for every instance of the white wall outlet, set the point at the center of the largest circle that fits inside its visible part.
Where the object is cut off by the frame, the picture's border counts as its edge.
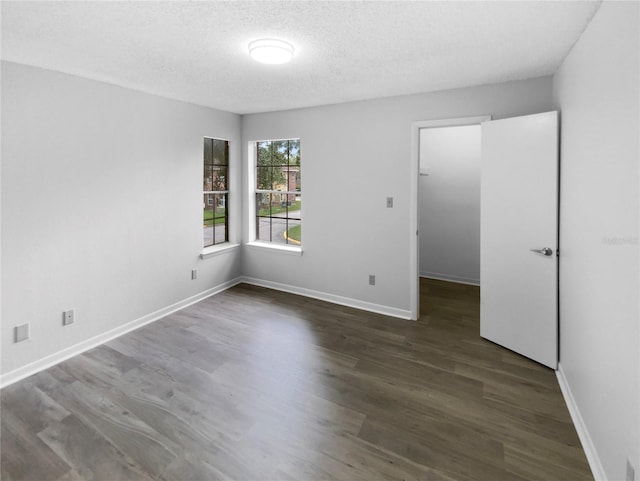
(194, 274)
(631, 473)
(21, 332)
(389, 202)
(372, 280)
(68, 317)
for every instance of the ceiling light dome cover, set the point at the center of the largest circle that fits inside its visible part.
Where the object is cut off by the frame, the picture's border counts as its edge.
(271, 51)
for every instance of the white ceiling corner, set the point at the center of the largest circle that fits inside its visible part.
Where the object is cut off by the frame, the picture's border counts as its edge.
(345, 50)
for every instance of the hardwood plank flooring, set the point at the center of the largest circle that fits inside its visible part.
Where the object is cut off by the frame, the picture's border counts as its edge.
(255, 384)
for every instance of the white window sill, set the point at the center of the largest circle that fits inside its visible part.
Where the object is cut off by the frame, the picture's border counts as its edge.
(282, 249)
(217, 250)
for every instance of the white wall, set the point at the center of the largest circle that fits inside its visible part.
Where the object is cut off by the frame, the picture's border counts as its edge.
(101, 201)
(450, 203)
(596, 90)
(101, 207)
(355, 155)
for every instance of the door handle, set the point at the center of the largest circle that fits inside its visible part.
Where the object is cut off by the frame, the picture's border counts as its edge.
(547, 251)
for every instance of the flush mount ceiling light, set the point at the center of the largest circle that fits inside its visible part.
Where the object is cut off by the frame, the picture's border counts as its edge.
(271, 51)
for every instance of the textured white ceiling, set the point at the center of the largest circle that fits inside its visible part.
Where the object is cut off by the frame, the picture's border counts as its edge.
(348, 50)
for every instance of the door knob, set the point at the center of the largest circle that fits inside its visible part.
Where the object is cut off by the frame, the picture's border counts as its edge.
(547, 251)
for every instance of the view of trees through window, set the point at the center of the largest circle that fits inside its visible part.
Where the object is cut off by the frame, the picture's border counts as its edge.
(216, 191)
(278, 192)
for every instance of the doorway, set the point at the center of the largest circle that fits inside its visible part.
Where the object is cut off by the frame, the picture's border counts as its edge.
(446, 202)
(449, 209)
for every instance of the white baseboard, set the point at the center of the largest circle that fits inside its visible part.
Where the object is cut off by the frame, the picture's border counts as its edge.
(587, 444)
(53, 359)
(446, 277)
(334, 299)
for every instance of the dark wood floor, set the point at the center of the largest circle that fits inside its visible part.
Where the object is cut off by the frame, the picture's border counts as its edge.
(254, 384)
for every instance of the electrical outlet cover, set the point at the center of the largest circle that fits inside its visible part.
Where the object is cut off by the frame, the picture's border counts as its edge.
(68, 317)
(22, 332)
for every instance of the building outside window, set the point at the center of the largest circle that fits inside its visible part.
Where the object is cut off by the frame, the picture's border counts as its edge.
(216, 192)
(278, 192)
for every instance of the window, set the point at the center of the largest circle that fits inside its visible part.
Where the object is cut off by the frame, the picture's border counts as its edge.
(216, 191)
(278, 192)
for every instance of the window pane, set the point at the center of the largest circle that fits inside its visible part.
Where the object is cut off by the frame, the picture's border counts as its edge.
(263, 224)
(208, 151)
(293, 234)
(294, 152)
(264, 153)
(263, 178)
(280, 152)
(263, 204)
(279, 178)
(207, 178)
(220, 152)
(278, 228)
(215, 219)
(208, 236)
(294, 179)
(263, 229)
(286, 206)
(285, 231)
(218, 178)
(279, 205)
(220, 233)
(208, 215)
(220, 207)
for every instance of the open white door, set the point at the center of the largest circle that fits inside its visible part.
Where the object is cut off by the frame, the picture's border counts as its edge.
(519, 235)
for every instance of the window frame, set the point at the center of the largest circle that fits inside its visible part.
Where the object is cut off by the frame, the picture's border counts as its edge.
(208, 194)
(253, 191)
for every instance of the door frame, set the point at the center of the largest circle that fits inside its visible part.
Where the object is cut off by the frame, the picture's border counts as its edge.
(414, 214)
